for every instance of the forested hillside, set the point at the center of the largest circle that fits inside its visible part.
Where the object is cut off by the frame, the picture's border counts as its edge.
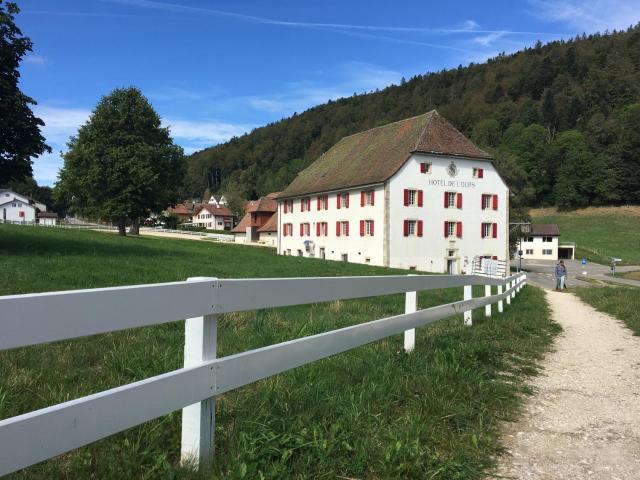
(562, 120)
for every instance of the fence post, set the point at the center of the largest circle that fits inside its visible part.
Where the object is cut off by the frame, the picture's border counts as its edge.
(500, 307)
(468, 295)
(199, 419)
(514, 284)
(507, 287)
(410, 306)
(487, 293)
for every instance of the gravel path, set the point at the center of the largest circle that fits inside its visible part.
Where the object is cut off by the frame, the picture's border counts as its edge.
(584, 420)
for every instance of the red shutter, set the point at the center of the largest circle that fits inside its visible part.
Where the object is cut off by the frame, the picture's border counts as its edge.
(318, 201)
(286, 206)
(318, 229)
(406, 228)
(459, 229)
(419, 228)
(338, 228)
(301, 229)
(362, 199)
(338, 201)
(326, 202)
(495, 257)
(459, 200)
(480, 173)
(445, 200)
(362, 228)
(346, 229)
(346, 200)
(371, 230)
(495, 230)
(446, 229)
(495, 202)
(482, 202)
(423, 168)
(419, 198)
(406, 197)
(302, 202)
(482, 230)
(373, 197)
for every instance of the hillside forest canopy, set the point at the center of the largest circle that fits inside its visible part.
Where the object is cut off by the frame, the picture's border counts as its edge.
(562, 121)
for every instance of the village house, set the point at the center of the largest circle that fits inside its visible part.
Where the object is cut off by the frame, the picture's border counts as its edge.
(542, 242)
(180, 210)
(413, 194)
(218, 201)
(18, 208)
(213, 217)
(259, 223)
(48, 219)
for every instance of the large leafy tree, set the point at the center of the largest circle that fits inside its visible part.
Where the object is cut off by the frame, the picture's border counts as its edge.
(20, 137)
(123, 164)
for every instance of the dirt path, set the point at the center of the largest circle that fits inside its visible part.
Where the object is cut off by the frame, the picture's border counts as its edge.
(584, 420)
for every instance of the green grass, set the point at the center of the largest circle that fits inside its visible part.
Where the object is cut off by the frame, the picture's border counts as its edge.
(373, 412)
(599, 235)
(621, 302)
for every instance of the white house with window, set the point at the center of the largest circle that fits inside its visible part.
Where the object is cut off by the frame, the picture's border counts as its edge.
(413, 194)
(16, 208)
(542, 242)
(213, 217)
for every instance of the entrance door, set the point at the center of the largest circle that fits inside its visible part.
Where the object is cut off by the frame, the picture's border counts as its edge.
(451, 267)
(322, 253)
(4, 214)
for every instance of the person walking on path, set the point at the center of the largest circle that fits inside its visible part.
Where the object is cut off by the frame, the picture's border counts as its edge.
(561, 276)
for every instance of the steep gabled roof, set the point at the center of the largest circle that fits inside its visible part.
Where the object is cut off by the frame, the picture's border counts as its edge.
(263, 204)
(375, 155)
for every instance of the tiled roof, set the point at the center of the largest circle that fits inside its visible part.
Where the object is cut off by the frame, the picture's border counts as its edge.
(373, 156)
(244, 223)
(271, 225)
(263, 204)
(179, 209)
(47, 215)
(217, 211)
(544, 229)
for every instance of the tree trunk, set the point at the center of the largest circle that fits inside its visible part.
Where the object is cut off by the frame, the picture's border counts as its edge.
(134, 229)
(122, 227)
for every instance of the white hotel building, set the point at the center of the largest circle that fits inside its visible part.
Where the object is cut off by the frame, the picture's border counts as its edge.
(413, 194)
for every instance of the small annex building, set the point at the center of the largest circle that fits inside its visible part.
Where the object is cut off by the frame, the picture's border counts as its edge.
(259, 223)
(542, 242)
(414, 194)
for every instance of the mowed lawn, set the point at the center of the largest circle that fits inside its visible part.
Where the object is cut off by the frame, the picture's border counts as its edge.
(373, 412)
(600, 233)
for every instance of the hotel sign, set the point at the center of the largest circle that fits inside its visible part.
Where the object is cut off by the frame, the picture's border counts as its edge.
(450, 183)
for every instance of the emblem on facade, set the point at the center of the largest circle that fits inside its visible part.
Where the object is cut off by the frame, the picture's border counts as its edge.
(452, 169)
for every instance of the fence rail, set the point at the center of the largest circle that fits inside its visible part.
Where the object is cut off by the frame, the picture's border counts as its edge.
(36, 318)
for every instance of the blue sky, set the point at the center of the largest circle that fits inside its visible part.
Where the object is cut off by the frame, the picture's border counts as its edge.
(215, 69)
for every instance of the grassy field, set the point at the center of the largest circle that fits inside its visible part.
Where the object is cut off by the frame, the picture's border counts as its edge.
(600, 233)
(373, 412)
(623, 303)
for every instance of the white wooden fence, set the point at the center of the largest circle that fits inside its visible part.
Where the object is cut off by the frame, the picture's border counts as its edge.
(44, 317)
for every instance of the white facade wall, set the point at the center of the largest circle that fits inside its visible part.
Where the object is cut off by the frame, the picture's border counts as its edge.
(209, 220)
(48, 221)
(240, 237)
(431, 251)
(536, 245)
(358, 249)
(268, 238)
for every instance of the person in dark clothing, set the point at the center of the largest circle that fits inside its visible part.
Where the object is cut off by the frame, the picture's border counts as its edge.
(561, 276)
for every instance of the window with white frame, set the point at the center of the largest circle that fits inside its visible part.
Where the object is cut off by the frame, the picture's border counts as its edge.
(478, 173)
(486, 201)
(412, 197)
(486, 230)
(547, 239)
(425, 167)
(368, 227)
(344, 228)
(323, 202)
(344, 199)
(412, 228)
(305, 229)
(305, 204)
(368, 197)
(547, 252)
(451, 229)
(529, 251)
(451, 199)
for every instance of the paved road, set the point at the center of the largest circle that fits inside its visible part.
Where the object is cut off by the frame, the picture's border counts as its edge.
(584, 421)
(540, 273)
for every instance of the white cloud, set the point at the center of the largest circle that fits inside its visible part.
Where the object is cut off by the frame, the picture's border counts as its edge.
(488, 39)
(34, 59)
(353, 77)
(589, 15)
(62, 123)
(469, 25)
